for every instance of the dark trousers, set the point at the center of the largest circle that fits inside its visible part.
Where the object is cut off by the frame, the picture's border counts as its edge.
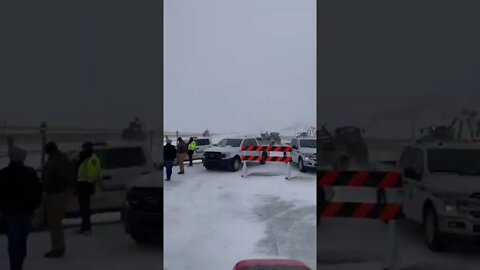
(18, 228)
(85, 212)
(85, 192)
(169, 168)
(190, 157)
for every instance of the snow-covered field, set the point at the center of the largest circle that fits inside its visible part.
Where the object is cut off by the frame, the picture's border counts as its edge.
(214, 219)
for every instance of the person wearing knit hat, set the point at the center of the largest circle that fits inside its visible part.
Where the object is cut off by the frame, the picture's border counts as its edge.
(18, 181)
(169, 155)
(16, 154)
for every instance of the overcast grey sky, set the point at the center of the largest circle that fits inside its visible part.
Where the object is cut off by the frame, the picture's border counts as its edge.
(43, 63)
(239, 65)
(393, 59)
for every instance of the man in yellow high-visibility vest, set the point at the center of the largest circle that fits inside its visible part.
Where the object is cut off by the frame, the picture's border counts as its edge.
(192, 146)
(89, 172)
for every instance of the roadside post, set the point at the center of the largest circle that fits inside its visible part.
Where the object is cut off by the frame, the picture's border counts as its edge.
(244, 168)
(381, 210)
(43, 133)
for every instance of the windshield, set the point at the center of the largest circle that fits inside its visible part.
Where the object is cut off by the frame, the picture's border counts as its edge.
(308, 143)
(461, 161)
(201, 142)
(230, 142)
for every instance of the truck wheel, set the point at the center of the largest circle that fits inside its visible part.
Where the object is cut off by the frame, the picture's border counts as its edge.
(265, 156)
(435, 239)
(301, 166)
(235, 164)
(207, 166)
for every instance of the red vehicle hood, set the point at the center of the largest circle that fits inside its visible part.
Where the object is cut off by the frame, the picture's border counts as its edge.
(270, 262)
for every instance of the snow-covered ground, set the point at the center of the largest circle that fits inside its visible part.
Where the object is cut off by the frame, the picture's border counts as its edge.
(214, 219)
(362, 245)
(108, 248)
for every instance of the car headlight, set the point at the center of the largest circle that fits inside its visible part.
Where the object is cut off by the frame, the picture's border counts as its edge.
(310, 157)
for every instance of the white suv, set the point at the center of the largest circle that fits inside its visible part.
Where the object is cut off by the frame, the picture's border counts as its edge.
(304, 152)
(227, 153)
(441, 189)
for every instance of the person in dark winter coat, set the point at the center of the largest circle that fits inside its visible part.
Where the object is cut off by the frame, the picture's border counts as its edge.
(20, 195)
(169, 155)
(58, 178)
(182, 149)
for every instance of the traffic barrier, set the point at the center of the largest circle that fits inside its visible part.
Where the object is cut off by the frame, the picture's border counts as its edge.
(268, 148)
(268, 159)
(381, 210)
(264, 149)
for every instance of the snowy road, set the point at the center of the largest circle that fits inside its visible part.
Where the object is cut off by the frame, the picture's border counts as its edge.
(108, 248)
(348, 244)
(215, 218)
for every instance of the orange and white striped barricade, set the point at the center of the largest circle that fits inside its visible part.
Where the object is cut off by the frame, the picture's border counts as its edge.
(381, 210)
(286, 158)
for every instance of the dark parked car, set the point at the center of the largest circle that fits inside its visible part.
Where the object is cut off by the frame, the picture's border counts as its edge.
(143, 211)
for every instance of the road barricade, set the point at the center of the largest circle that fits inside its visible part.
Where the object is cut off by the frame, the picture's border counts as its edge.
(263, 156)
(381, 210)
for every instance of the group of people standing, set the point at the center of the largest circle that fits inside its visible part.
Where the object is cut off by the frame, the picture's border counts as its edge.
(22, 192)
(179, 153)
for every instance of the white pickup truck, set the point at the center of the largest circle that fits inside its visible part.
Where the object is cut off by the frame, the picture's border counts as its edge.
(304, 152)
(441, 190)
(227, 153)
